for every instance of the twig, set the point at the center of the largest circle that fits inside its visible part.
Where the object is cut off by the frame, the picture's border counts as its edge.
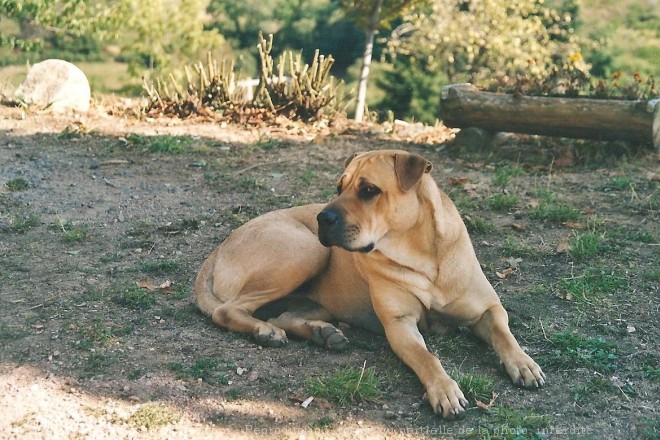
(257, 165)
(107, 182)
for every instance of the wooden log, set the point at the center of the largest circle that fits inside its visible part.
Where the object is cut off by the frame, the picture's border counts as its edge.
(463, 105)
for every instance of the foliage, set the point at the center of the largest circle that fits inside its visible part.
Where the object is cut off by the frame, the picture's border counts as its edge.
(292, 89)
(73, 17)
(477, 40)
(347, 385)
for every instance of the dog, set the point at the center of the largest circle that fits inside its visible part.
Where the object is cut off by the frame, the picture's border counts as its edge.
(390, 253)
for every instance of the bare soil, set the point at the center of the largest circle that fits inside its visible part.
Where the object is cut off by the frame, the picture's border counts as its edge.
(113, 201)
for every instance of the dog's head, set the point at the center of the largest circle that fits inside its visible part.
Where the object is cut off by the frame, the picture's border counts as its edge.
(376, 195)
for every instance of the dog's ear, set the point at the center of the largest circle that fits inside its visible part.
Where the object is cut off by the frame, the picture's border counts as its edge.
(350, 158)
(409, 168)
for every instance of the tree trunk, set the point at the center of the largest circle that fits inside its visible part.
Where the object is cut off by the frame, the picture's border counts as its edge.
(463, 105)
(366, 62)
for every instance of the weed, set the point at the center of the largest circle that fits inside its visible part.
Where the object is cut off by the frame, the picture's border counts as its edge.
(233, 394)
(325, 423)
(95, 363)
(208, 370)
(100, 333)
(16, 185)
(276, 386)
(161, 144)
(22, 224)
(554, 212)
(516, 248)
(652, 373)
(594, 283)
(587, 390)
(618, 184)
(477, 225)
(10, 332)
(268, 143)
(160, 266)
(347, 385)
(475, 386)
(134, 297)
(502, 201)
(651, 275)
(508, 424)
(586, 245)
(571, 350)
(503, 174)
(152, 415)
(177, 314)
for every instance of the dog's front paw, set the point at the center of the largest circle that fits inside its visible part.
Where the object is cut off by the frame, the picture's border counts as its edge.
(446, 398)
(525, 372)
(269, 335)
(330, 337)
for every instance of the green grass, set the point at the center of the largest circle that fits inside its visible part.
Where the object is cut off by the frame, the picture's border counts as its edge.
(618, 184)
(592, 285)
(22, 223)
(504, 173)
(133, 297)
(475, 386)
(160, 266)
(347, 385)
(99, 334)
(569, 350)
(477, 225)
(211, 371)
(16, 185)
(513, 247)
(554, 212)
(162, 144)
(509, 424)
(153, 415)
(586, 245)
(502, 201)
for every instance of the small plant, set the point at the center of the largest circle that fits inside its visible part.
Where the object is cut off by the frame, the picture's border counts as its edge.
(502, 201)
(504, 173)
(152, 415)
(325, 423)
(571, 350)
(22, 224)
(347, 385)
(211, 371)
(160, 266)
(508, 424)
(161, 144)
(475, 386)
(134, 297)
(477, 225)
(18, 184)
(553, 211)
(594, 283)
(586, 245)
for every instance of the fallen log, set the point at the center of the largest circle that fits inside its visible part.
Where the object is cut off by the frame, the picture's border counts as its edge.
(463, 106)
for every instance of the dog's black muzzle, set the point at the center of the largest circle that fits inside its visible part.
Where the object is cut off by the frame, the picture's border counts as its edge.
(331, 227)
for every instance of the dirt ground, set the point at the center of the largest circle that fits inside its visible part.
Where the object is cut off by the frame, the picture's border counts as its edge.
(91, 206)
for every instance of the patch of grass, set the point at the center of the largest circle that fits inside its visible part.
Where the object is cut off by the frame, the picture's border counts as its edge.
(133, 297)
(233, 393)
(594, 283)
(268, 143)
(477, 225)
(572, 350)
(21, 224)
(161, 144)
(618, 184)
(174, 313)
(100, 333)
(211, 371)
(651, 275)
(153, 415)
(160, 266)
(16, 185)
(652, 373)
(516, 248)
(504, 173)
(586, 245)
(508, 424)
(554, 212)
(95, 363)
(325, 423)
(475, 386)
(10, 332)
(586, 390)
(347, 385)
(502, 201)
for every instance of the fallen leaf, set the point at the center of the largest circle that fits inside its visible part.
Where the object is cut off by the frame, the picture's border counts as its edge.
(488, 405)
(574, 225)
(518, 227)
(564, 245)
(307, 402)
(505, 273)
(458, 181)
(146, 284)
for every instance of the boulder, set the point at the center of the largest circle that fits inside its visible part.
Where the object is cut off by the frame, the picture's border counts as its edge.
(57, 85)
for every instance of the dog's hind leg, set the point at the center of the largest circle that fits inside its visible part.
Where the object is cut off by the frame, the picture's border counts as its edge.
(311, 323)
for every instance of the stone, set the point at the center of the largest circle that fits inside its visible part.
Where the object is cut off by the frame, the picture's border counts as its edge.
(57, 85)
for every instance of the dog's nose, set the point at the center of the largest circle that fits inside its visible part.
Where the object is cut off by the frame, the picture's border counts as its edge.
(327, 217)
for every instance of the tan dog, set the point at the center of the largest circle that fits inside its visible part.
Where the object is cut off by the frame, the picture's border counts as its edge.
(390, 253)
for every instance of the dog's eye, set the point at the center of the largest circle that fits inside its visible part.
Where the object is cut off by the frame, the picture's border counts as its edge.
(368, 192)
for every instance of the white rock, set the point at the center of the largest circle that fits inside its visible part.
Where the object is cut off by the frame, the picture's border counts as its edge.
(56, 84)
